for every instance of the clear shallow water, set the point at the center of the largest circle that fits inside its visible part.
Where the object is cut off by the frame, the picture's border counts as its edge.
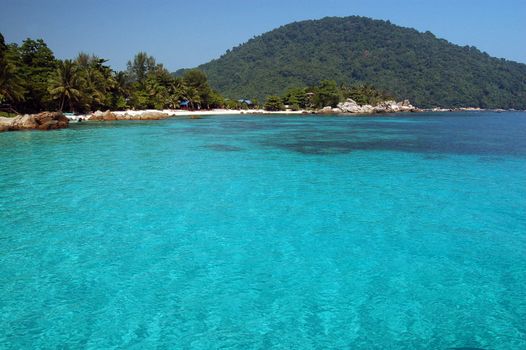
(403, 232)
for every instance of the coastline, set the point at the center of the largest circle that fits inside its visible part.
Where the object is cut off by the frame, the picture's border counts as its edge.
(59, 120)
(348, 107)
(169, 113)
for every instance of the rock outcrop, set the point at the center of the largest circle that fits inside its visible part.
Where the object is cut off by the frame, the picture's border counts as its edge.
(350, 106)
(145, 115)
(5, 123)
(40, 121)
(152, 116)
(103, 116)
(326, 110)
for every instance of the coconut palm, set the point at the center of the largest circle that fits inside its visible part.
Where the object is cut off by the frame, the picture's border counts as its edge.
(98, 81)
(157, 93)
(176, 92)
(181, 91)
(94, 86)
(11, 85)
(65, 84)
(11, 88)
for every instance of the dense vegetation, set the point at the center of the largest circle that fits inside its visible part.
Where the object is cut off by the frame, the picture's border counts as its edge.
(356, 50)
(33, 80)
(309, 64)
(326, 93)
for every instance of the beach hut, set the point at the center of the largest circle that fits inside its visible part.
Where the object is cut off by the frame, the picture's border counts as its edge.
(245, 101)
(184, 104)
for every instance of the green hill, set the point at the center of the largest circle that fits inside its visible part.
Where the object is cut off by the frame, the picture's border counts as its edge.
(407, 63)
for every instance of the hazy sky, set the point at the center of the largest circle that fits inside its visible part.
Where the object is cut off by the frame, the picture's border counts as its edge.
(187, 33)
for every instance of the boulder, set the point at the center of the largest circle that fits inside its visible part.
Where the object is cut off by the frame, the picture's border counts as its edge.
(153, 115)
(390, 106)
(24, 122)
(50, 120)
(145, 115)
(5, 123)
(124, 116)
(40, 121)
(103, 116)
(367, 109)
(406, 106)
(350, 106)
(96, 116)
(327, 110)
(386, 107)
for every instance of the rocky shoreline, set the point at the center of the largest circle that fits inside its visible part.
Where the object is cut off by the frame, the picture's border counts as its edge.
(40, 121)
(350, 106)
(128, 115)
(58, 120)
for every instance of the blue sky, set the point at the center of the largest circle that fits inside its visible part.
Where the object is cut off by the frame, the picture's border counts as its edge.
(187, 33)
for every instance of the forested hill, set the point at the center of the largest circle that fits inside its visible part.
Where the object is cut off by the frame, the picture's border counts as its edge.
(353, 50)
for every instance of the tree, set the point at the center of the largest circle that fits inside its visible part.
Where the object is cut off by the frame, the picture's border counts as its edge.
(327, 94)
(365, 94)
(273, 103)
(98, 81)
(216, 100)
(37, 63)
(30, 73)
(121, 91)
(296, 98)
(139, 68)
(157, 92)
(199, 90)
(177, 92)
(11, 85)
(64, 84)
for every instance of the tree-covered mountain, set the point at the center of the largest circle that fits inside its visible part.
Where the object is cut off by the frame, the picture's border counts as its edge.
(357, 50)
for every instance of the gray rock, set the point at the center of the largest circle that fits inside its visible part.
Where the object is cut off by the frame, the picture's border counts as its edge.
(350, 106)
(326, 110)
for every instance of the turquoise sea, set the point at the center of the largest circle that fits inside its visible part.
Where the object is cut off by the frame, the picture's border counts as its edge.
(266, 232)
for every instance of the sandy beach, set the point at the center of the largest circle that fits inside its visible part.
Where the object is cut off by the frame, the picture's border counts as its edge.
(181, 113)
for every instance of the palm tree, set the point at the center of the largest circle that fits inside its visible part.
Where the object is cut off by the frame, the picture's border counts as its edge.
(11, 85)
(154, 90)
(65, 84)
(11, 88)
(99, 80)
(94, 86)
(176, 92)
(122, 84)
(120, 91)
(193, 96)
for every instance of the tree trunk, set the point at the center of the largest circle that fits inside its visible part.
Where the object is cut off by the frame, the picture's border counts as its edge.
(62, 102)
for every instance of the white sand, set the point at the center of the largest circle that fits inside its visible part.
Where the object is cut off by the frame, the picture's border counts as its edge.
(181, 112)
